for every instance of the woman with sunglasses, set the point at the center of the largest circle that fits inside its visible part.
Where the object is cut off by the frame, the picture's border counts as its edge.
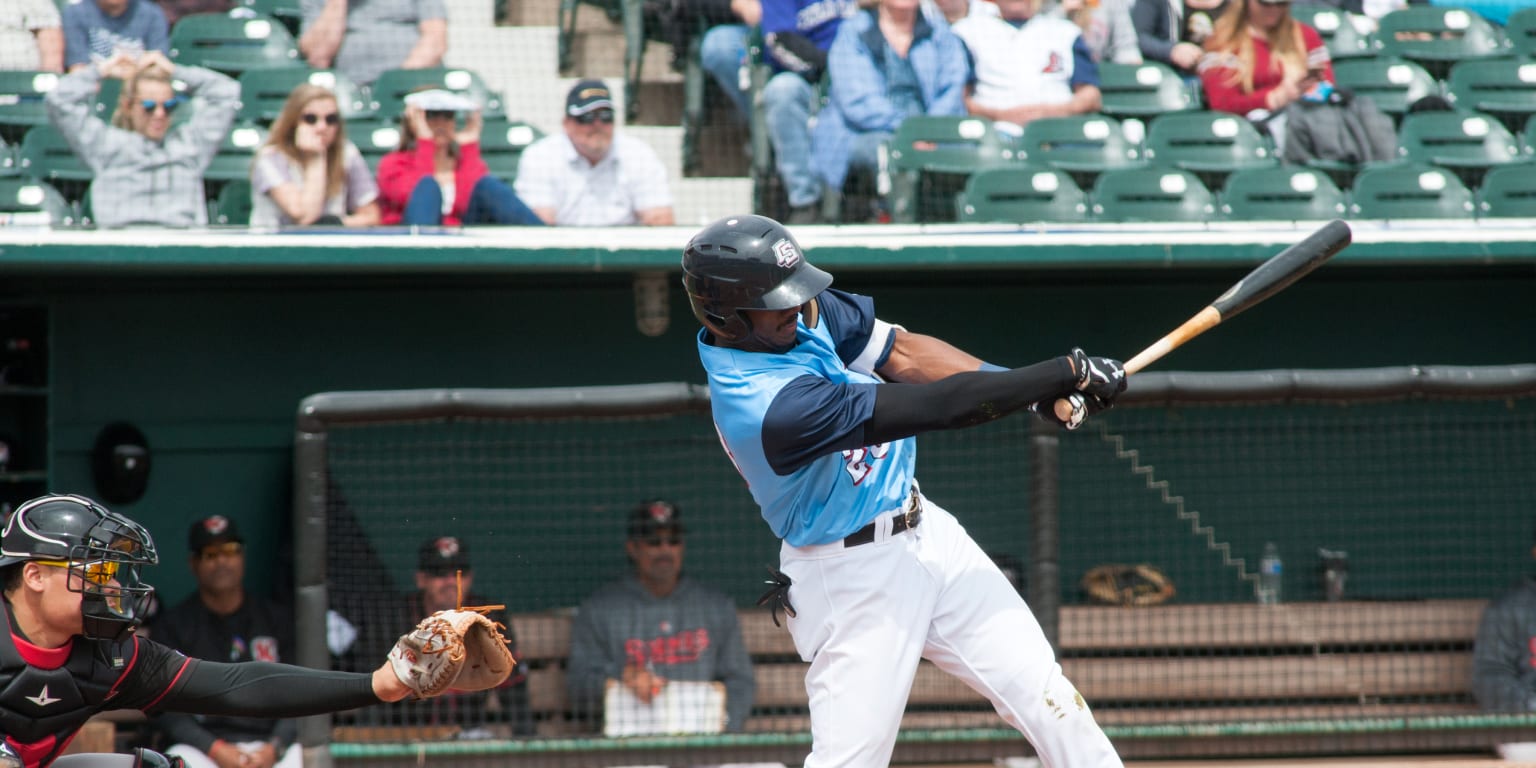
(435, 175)
(308, 173)
(147, 169)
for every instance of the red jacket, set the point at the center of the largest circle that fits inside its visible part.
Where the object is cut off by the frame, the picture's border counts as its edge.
(400, 171)
(1224, 94)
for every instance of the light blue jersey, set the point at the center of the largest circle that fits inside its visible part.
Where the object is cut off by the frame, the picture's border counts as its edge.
(793, 424)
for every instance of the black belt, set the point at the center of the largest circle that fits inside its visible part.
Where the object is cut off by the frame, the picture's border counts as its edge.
(901, 521)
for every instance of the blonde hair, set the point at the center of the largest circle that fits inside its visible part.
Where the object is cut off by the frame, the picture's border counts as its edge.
(122, 117)
(1231, 35)
(286, 127)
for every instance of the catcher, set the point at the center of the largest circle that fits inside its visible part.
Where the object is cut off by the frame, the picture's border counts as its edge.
(73, 597)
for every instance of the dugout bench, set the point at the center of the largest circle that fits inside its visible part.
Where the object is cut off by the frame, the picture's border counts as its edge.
(1165, 681)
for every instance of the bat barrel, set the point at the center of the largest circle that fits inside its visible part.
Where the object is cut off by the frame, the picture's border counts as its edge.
(1284, 268)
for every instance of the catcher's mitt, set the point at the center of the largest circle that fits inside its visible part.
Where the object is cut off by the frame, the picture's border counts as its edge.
(1119, 584)
(460, 650)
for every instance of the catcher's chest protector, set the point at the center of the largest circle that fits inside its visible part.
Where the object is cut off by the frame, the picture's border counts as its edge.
(41, 708)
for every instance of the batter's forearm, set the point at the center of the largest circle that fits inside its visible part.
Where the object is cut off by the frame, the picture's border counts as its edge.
(964, 399)
(920, 359)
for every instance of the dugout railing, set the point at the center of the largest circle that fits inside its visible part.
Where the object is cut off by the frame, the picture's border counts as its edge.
(1426, 475)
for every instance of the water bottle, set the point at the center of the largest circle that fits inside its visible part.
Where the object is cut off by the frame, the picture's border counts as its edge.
(1270, 569)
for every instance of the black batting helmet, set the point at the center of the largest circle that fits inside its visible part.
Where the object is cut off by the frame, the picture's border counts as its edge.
(103, 550)
(746, 262)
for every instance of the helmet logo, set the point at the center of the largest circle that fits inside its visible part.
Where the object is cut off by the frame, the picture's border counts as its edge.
(786, 254)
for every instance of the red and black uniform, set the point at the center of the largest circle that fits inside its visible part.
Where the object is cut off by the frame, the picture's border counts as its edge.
(46, 694)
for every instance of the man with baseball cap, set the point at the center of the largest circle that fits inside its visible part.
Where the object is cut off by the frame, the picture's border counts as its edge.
(655, 625)
(222, 622)
(590, 175)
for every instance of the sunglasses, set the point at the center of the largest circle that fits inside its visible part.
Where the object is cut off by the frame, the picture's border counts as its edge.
(662, 541)
(97, 571)
(440, 114)
(604, 116)
(216, 551)
(310, 118)
(169, 105)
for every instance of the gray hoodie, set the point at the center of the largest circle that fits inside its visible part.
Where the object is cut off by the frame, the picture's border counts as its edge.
(1504, 656)
(139, 181)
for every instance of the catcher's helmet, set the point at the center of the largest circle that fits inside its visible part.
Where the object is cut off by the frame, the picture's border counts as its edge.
(746, 262)
(104, 551)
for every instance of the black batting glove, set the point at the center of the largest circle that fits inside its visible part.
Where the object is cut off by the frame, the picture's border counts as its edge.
(1083, 406)
(1100, 377)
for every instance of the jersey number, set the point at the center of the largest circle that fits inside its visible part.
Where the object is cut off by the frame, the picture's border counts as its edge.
(858, 460)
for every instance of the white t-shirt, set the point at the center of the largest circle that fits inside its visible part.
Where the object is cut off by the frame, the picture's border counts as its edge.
(1032, 64)
(273, 168)
(631, 178)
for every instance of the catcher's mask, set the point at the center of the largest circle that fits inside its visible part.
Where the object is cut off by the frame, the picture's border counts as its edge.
(102, 550)
(746, 262)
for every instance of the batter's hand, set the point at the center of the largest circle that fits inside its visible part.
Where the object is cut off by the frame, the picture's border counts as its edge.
(1083, 406)
(1098, 376)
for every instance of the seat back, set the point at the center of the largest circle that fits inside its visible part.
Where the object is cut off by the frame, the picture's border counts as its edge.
(1152, 195)
(1508, 191)
(1145, 90)
(232, 43)
(1504, 88)
(233, 205)
(1458, 140)
(1520, 29)
(502, 143)
(236, 152)
(289, 12)
(1410, 191)
(1344, 39)
(374, 139)
(26, 201)
(1439, 36)
(1284, 193)
(390, 90)
(1022, 194)
(45, 155)
(946, 144)
(1080, 143)
(1212, 144)
(1392, 83)
(264, 91)
(22, 106)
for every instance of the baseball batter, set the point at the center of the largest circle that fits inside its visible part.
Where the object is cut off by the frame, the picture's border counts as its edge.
(875, 575)
(73, 597)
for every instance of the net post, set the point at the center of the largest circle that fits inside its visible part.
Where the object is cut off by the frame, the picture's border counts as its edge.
(1045, 539)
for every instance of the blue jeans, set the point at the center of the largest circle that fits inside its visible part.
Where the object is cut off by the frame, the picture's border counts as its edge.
(491, 202)
(723, 53)
(787, 101)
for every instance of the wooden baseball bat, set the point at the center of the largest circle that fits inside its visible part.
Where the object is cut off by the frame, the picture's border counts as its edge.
(1264, 281)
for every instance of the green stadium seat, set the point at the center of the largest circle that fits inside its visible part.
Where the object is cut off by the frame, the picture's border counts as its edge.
(1392, 83)
(232, 43)
(502, 143)
(233, 205)
(927, 147)
(10, 160)
(1210, 144)
(1504, 88)
(390, 90)
(1021, 195)
(264, 91)
(374, 139)
(1082, 145)
(236, 153)
(1410, 191)
(1520, 29)
(1467, 143)
(1152, 195)
(289, 12)
(1145, 90)
(46, 156)
(1344, 39)
(21, 102)
(1284, 193)
(1508, 191)
(1438, 37)
(26, 201)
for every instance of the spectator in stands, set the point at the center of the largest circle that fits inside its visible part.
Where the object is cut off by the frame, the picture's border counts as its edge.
(887, 63)
(1259, 60)
(1174, 32)
(446, 580)
(723, 52)
(435, 175)
(1504, 654)
(31, 36)
(1106, 27)
(96, 31)
(797, 35)
(656, 626)
(175, 9)
(308, 173)
(589, 175)
(221, 621)
(361, 39)
(146, 170)
(1028, 65)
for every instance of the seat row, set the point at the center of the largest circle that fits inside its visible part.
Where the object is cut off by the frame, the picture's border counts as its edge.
(1030, 194)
